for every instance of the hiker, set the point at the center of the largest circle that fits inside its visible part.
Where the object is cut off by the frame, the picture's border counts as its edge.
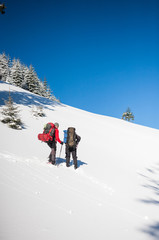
(52, 144)
(71, 146)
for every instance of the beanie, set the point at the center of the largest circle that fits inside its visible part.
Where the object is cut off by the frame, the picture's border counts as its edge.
(56, 124)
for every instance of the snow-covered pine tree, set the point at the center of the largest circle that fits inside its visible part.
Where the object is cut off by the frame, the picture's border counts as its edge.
(35, 84)
(31, 80)
(42, 89)
(4, 67)
(46, 89)
(128, 115)
(45, 84)
(16, 73)
(49, 92)
(10, 113)
(25, 69)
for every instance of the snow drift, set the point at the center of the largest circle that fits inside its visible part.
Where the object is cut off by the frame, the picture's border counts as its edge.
(114, 193)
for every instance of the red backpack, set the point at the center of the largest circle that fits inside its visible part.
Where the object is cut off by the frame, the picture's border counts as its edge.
(48, 133)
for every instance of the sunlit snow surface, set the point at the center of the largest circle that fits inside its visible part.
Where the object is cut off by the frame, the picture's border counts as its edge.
(114, 193)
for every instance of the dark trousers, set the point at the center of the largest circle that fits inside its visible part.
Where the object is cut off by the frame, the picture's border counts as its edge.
(52, 156)
(70, 150)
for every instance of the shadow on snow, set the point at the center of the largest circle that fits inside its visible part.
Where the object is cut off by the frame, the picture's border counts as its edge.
(152, 179)
(27, 99)
(62, 160)
(152, 231)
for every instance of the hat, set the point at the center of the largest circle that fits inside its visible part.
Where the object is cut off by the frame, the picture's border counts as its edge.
(56, 124)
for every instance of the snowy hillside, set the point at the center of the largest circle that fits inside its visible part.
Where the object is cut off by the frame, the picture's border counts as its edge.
(114, 194)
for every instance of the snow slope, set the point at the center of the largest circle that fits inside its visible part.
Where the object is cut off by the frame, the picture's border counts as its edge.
(114, 194)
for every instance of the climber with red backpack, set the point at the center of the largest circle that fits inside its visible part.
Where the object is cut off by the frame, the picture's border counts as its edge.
(50, 135)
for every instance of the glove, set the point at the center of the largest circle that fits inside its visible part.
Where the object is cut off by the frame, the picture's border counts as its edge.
(61, 143)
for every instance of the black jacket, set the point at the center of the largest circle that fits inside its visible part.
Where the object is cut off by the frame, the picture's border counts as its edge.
(78, 138)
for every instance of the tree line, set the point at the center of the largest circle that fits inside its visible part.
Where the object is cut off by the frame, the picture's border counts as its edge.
(18, 74)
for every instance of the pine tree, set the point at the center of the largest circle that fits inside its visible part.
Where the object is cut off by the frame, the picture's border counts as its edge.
(128, 115)
(42, 89)
(46, 89)
(31, 80)
(4, 67)
(36, 85)
(45, 84)
(26, 79)
(49, 92)
(16, 73)
(10, 113)
(25, 69)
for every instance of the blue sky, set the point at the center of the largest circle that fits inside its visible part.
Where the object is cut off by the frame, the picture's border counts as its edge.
(100, 56)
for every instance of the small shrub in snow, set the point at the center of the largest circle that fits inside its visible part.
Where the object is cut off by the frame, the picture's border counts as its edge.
(37, 111)
(10, 113)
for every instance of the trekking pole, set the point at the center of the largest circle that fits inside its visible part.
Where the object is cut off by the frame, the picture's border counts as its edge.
(60, 151)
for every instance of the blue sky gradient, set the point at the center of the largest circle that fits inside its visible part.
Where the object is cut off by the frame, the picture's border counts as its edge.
(100, 56)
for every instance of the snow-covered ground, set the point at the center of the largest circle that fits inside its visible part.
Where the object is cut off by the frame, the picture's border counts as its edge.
(114, 194)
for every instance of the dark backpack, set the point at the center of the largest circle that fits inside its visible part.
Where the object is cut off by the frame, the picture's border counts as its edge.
(71, 137)
(48, 133)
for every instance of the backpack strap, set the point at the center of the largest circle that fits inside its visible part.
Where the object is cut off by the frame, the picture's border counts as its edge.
(52, 128)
